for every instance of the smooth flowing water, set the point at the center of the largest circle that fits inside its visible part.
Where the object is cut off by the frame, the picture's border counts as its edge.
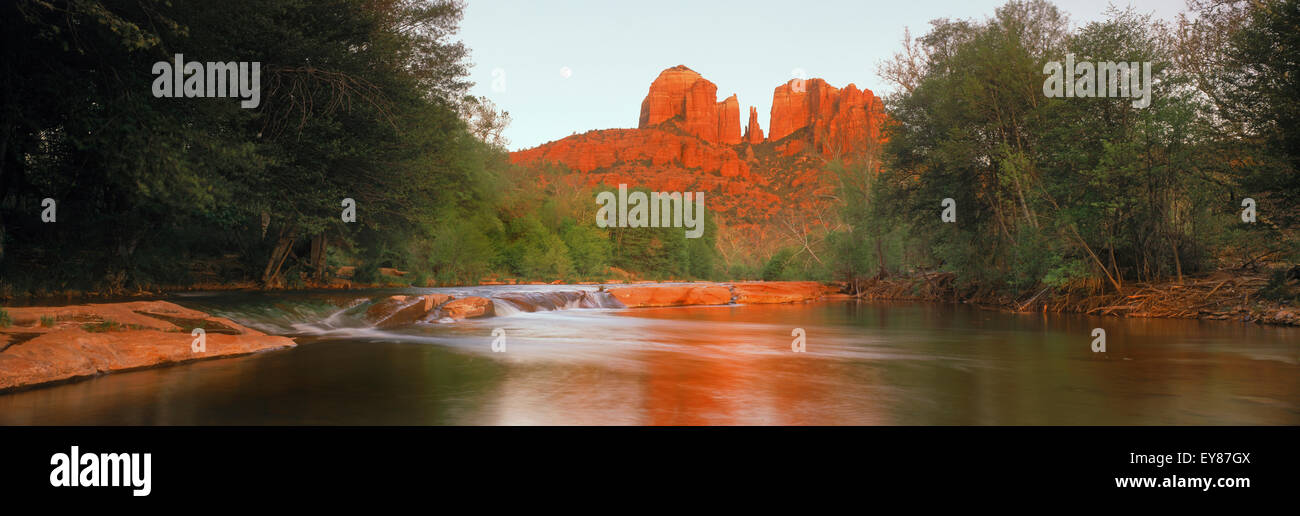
(572, 361)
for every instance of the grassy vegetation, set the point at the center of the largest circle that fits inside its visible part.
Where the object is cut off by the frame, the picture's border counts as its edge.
(104, 326)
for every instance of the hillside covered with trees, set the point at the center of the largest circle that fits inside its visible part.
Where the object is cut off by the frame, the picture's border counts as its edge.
(367, 100)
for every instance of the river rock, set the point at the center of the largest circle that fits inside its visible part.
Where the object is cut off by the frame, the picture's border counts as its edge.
(86, 340)
(671, 295)
(403, 310)
(468, 307)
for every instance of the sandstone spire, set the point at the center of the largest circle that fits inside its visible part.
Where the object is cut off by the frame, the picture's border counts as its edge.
(753, 133)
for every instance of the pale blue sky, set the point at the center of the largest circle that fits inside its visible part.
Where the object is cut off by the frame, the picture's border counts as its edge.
(613, 49)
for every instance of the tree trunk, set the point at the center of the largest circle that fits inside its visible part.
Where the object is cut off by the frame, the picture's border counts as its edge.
(1178, 263)
(1095, 258)
(283, 247)
(318, 244)
(1119, 278)
(882, 272)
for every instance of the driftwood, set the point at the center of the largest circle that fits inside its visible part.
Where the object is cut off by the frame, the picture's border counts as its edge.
(1207, 298)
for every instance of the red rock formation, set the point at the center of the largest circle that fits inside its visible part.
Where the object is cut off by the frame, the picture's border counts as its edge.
(753, 133)
(667, 95)
(717, 294)
(672, 295)
(729, 121)
(839, 121)
(778, 292)
(115, 337)
(661, 161)
(795, 104)
(686, 141)
(680, 94)
(403, 310)
(468, 307)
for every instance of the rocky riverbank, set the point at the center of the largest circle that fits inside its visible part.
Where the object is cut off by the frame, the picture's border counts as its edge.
(41, 345)
(441, 308)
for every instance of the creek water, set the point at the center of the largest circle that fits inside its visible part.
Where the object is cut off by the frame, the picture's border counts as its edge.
(572, 357)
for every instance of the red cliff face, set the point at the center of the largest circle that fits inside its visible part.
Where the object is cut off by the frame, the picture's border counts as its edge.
(680, 94)
(729, 121)
(838, 121)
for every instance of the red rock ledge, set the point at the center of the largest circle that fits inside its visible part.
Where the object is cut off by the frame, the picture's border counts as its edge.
(641, 296)
(778, 292)
(50, 344)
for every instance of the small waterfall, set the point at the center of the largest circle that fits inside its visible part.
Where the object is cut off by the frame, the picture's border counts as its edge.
(509, 303)
(506, 307)
(341, 313)
(279, 316)
(336, 319)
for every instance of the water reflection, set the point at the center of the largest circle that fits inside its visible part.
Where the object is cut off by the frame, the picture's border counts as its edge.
(866, 364)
